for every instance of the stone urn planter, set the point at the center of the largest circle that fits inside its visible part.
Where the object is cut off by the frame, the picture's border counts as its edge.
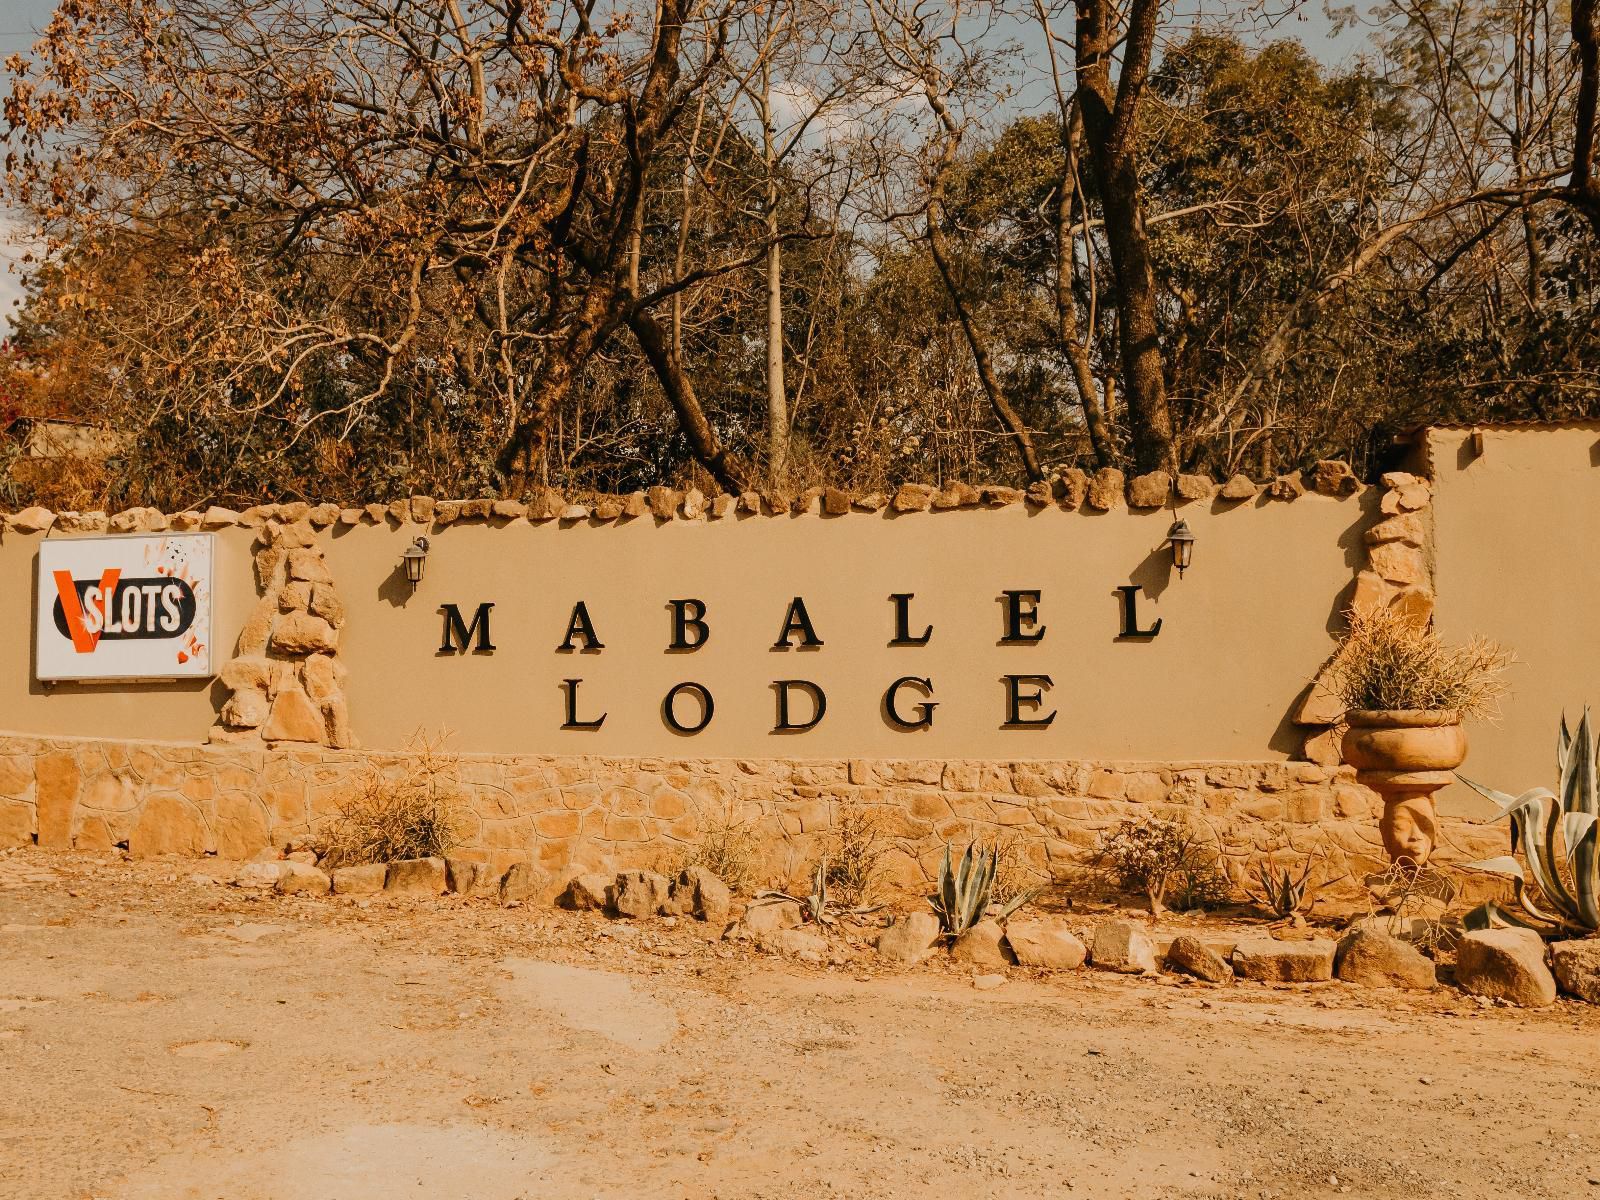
(1405, 755)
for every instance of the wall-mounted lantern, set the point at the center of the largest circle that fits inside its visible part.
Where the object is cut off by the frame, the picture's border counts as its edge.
(414, 559)
(1181, 539)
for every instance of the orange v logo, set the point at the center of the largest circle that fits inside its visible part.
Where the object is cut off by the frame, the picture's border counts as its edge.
(83, 641)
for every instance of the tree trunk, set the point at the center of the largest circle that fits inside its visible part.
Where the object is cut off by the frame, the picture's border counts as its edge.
(1072, 343)
(1110, 122)
(707, 448)
(777, 395)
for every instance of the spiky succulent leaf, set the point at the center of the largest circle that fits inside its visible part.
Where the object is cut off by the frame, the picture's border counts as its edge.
(1504, 865)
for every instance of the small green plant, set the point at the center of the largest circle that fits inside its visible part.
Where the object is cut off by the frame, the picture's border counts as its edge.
(1154, 856)
(1390, 660)
(965, 893)
(1280, 891)
(412, 815)
(1556, 833)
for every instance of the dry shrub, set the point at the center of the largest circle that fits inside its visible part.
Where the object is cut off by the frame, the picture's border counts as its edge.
(854, 854)
(1391, 660)
(728, 848)
(1161, 858)
(1417, 904)
(413, 815)
(65, 483)
(1012, 876)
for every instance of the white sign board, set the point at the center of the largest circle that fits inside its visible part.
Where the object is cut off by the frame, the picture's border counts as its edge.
(124, 607)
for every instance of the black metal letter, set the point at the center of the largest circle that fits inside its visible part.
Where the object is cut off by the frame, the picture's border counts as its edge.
(1016, 698)
(706, 707)
(902, 622)
(570, 686)
(924, 710)
(458, 635)
(819, 705)
(1022, 610)
(581, 626)
(687, 615)
(797, 620)
(1130, 614)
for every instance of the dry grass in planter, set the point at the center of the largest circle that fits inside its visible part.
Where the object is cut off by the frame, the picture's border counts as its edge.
(1390, 661)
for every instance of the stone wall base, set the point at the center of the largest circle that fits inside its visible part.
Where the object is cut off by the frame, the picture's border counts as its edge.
(597, 813)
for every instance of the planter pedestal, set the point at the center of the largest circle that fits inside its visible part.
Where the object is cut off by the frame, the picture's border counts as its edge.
(1410, 823)
(1405, 756)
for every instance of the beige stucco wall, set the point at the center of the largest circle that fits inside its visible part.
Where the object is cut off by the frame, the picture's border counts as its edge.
(172, 711)
(1515, 536)
(1242, 632)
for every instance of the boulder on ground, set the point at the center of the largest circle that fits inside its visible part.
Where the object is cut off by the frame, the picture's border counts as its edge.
(415, 877)
(1191, 956)
(1505, 964)
(697, 892)
(641, 894)
(363, 880)
(1123, 947)
(587, 892)
(1043, 942)
(910, 939)
(298, 877)
(805, 944)
(983, 945)
(768, 915)
(1577, 968)
(522, 882)
(466, 878)
(259, 874)
(1372, 959)
(1270, 961)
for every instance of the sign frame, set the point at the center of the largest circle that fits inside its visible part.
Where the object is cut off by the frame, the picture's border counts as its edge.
(51, 666)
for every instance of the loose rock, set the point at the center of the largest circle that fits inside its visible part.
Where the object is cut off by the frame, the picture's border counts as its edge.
(523, 881)
(587, 892)
(1373, 959)
(1122, 946)
(697, 892)
(1284, 962)
(910, 939)
(768, 916)
(1505, 964)
(1577, 968)
(259, 875)
(641, 894)
(1191, 956)
(1041, 942)
(364, 880)
(983, 945)
(297, 877)
(415, 877)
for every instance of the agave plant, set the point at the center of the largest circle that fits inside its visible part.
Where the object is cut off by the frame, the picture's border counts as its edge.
(1281, 891)
(1556, 833)
(963, 896)
(818, 906)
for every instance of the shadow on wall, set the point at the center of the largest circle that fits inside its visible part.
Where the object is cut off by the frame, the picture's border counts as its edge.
(1290, 738)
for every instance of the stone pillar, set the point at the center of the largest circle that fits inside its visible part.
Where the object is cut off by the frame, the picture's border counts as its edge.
(286, 680)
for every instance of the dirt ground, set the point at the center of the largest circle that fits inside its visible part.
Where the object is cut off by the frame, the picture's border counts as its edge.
(165, 1036)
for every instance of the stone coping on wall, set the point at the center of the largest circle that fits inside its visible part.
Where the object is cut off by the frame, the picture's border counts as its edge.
(1069, 490)
(592, 813)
